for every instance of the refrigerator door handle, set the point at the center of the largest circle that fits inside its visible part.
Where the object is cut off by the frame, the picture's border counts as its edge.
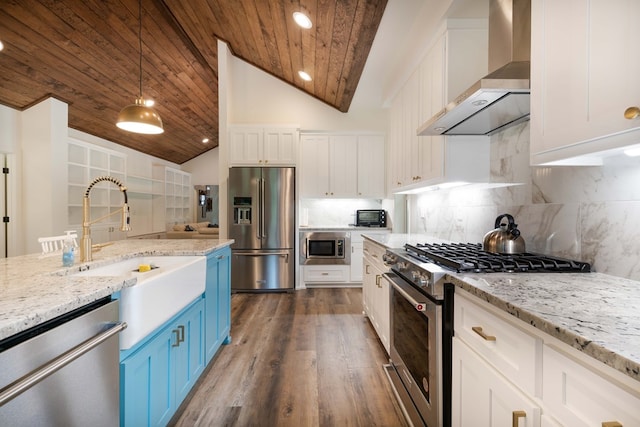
(259, 216)
(263, 235)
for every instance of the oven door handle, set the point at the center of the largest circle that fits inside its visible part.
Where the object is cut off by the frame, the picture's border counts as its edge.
(419, 306)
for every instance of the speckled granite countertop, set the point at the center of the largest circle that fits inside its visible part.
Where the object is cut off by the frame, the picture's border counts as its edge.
(594, 313)
(34, 289)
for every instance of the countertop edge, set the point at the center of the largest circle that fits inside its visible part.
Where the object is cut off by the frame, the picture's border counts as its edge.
(574, 340)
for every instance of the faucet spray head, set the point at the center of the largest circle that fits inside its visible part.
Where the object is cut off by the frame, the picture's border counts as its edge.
(126, 218)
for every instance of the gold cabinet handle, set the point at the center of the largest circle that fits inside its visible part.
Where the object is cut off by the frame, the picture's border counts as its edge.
(516, 415)
(378, 277)
(611, 424)
(366, 269)
(632, 113)
(478, 330)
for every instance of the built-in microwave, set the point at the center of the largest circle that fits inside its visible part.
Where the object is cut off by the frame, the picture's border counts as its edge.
(325, 247)
(371, 218)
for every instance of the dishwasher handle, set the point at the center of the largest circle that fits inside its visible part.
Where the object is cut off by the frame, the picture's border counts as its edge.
(26, 382)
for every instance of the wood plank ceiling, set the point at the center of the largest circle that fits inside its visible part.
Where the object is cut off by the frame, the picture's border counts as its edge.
(86, 53)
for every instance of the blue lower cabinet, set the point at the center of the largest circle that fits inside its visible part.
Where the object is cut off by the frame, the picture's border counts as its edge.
(218, 301)
(157, 376)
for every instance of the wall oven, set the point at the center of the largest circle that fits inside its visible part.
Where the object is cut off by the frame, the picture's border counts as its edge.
(325, 247)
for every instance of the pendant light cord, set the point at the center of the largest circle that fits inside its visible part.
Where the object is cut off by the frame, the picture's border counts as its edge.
(140, 41)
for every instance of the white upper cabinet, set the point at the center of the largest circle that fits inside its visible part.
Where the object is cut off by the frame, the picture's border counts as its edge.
(259, 146)
(342, 166)
(371, 166)
(455, 60)
(584, 75)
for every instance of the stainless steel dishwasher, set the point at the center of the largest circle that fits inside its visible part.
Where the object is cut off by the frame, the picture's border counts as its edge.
(64, 372)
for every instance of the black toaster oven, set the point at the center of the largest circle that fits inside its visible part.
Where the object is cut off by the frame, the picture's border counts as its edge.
(371, 218)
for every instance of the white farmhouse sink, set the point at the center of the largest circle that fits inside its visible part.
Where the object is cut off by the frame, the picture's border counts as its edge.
(158, 295)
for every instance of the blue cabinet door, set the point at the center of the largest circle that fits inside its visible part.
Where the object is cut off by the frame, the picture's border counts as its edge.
(147, 397)
(157, 377)
(217, 301)
(189, 354)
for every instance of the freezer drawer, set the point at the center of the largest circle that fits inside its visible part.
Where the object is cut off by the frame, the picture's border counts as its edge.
(261, 270)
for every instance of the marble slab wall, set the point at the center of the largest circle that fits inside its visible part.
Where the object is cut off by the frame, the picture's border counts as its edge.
(590, 213)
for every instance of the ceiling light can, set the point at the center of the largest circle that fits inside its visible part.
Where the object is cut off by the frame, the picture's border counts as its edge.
(304, 76)
(302, 20)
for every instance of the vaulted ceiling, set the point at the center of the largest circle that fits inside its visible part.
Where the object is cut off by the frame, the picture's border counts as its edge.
(86, 53)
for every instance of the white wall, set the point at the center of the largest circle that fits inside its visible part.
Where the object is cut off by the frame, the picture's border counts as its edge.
(204, 168)
(257, 97)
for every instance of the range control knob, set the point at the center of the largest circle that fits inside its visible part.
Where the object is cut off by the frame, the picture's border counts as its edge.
(420, 279)
(389, 259)
(402, 266)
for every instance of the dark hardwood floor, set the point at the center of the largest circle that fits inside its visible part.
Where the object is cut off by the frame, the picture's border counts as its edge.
(308, 358)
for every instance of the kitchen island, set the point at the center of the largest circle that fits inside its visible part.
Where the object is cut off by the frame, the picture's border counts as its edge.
(173, 300)
(36, 288)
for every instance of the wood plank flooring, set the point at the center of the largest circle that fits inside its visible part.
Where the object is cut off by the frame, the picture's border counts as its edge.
(307, 358)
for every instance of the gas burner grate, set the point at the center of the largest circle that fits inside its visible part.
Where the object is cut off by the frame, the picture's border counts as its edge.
(469, 257)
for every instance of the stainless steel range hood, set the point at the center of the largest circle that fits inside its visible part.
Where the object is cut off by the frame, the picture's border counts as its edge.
(500, 99)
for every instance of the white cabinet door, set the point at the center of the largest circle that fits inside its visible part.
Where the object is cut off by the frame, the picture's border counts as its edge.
(483, 397)
(314, 171)
(581, 87)
(257, 146)
(245, 146)
(280, 147)
(343, 161)
(371, 167)
(356, 261)
(577, 396)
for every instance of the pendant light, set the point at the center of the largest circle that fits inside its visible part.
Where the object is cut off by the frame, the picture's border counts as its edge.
(138, 117)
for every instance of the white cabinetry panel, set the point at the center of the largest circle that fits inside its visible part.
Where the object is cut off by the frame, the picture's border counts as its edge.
(581, 87)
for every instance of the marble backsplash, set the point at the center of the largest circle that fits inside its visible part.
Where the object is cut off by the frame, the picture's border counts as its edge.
(334, 212)
(590, 213)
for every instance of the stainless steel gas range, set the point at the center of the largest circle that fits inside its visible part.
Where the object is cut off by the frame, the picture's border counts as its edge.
(422, 317)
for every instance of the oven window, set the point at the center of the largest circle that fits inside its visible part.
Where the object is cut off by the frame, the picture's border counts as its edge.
(325, 248)
(411, 341)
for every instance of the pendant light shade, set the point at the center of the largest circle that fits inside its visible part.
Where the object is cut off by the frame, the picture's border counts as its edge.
(138, 117)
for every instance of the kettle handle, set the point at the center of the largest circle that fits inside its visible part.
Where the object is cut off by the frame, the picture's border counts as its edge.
(512, 227)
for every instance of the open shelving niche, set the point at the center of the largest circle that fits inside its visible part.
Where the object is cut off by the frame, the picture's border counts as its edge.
(159, 197)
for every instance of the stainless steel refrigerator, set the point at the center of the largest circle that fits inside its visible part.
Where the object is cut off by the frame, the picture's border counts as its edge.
(262, 223)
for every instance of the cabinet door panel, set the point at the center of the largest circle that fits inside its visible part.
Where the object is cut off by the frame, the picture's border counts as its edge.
(483, 397)
(576, 396)
(371, 167)
(245, 146)
(315, 166)
(189, 355)
(147, 384)
(280, 146)
(343, 160)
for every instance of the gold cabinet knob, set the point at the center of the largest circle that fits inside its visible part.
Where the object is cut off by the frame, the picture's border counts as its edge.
(632, 113)
(611, 424)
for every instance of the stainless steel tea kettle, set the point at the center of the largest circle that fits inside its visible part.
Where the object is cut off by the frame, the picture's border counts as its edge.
(505, 239)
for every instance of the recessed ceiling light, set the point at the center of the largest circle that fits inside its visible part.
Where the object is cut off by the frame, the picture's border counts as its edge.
(205, 140)
(149, 102)
(304, 76)
(302, 20)
(1, 46)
